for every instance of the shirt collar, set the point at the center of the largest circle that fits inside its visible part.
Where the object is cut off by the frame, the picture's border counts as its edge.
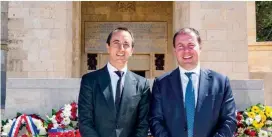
(196, 70)
(111, 69)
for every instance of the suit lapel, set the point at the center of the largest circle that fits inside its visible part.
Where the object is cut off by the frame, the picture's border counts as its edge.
(203, 90)
(176, 84)
(128, 91)
(106, 88)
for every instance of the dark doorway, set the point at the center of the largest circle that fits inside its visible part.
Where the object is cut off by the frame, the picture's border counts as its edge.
(141, 73)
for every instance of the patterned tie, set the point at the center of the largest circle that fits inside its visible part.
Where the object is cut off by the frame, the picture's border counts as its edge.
(118, 89)
(190, 104)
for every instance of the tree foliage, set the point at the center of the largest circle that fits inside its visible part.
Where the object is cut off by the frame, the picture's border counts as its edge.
(264, 20)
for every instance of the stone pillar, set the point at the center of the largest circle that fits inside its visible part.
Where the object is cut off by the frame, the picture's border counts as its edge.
(76, 52)
(4, 40)
(181, 16)
(251, 22)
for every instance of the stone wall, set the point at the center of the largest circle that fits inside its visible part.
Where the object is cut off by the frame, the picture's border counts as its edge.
(41, 95)
(223, 28)
(40, 39)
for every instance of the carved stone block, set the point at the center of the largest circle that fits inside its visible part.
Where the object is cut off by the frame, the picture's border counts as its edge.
(149, 36)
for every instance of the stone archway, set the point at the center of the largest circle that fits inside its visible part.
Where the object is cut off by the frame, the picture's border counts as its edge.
(152, 27)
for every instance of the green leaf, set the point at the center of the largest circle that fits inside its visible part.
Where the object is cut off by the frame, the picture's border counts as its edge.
(4, 122)
(71, 124)
(18, 114)
(54, 112)
(45, 124)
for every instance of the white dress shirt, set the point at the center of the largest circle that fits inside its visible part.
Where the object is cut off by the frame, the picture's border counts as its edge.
(114, 77)
(185, 80)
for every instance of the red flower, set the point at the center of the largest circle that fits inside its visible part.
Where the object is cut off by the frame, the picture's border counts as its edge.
(59, 119)
(78, 133)
(240, 125)
(239, 117)
(247, 131)
(62, 126)
(70, 134)
(50, 125)
(74, 105)
(252, 133)
(74, 110)
(58, 114)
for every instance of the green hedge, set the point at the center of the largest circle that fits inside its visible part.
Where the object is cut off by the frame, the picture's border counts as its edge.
(264, 20)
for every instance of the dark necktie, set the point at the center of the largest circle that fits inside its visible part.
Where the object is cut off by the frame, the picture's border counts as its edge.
(118, 89)
(190, 104)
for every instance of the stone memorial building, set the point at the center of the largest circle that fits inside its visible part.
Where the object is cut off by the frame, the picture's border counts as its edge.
(48, 46)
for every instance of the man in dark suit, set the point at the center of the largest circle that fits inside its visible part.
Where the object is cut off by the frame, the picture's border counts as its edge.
(189, 101)
(113, 101)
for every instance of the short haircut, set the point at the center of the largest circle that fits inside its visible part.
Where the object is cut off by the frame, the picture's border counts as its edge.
(120, 29)
(187, 31)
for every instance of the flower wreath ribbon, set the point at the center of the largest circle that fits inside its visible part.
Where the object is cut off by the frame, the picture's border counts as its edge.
(30, 126)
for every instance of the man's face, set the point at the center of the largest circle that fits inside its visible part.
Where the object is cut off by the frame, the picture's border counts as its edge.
(187, 50)
(120, 48)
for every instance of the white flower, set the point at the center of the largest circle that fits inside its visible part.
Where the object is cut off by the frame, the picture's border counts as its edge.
(53, 119)
(38, 123)
(66, 121)
(67, 107)
(55, 125)
(6, 128)
(240, 130)
(4, 134)
(269, 134)
(249, 121)
(263, 133)
(258, 118)
(268, 122)
(42, 131)
(66, 113)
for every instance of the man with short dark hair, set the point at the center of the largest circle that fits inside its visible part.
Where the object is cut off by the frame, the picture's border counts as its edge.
(113, 101)
(190, 101)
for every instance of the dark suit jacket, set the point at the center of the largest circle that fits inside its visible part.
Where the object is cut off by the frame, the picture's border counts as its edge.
(215, 110)
(97, 113)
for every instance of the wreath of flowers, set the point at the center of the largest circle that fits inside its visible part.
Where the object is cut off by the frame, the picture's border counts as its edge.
(61, 123)
(255, 121)
(64, 121)
(63, 118)
(33, 123)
